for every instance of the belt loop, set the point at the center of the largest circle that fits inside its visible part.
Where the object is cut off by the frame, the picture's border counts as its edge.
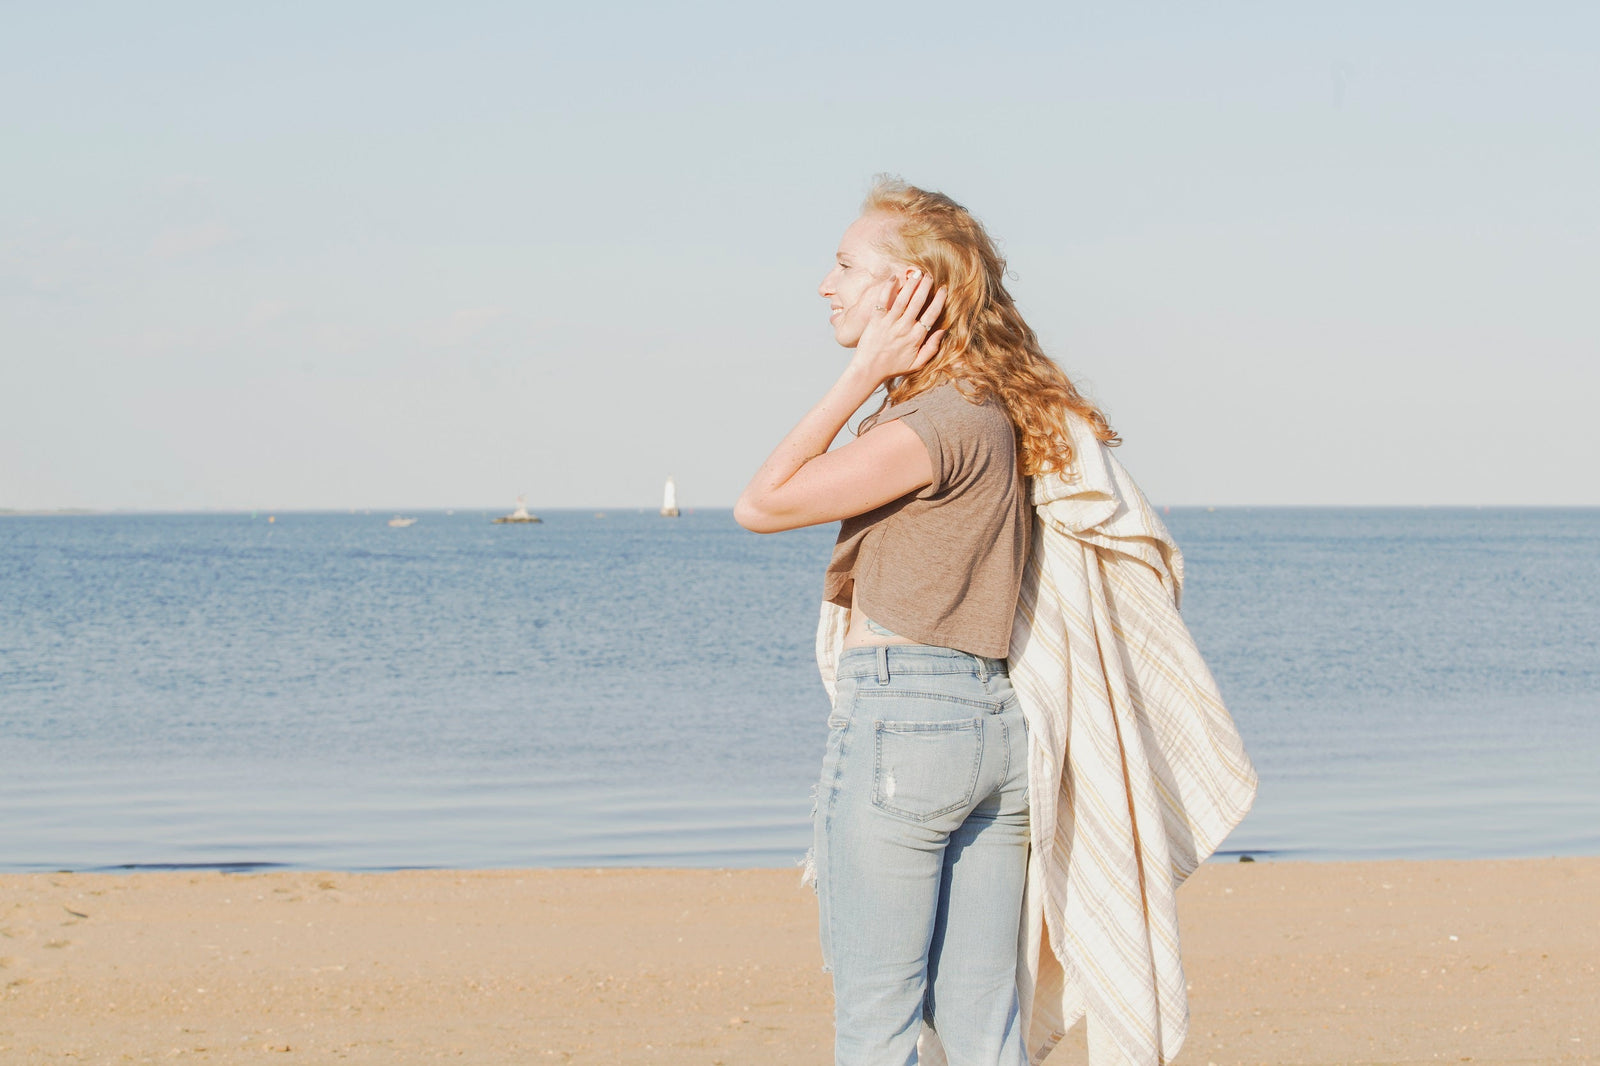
(983, 668)
(883, 664)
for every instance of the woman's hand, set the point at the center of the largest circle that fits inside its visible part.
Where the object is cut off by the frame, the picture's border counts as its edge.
(900, 336)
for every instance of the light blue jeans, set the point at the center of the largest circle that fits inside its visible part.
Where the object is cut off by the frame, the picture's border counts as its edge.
(921, 853)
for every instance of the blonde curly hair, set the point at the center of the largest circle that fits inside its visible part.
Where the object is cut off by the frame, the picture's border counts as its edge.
(987, 347)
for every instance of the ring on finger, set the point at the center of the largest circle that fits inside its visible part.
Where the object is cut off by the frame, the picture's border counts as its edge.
(879, 307)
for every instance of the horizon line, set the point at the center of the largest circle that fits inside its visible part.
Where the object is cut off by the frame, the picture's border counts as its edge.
(68, 512)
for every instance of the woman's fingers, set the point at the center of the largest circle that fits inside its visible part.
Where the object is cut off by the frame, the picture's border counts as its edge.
(889, 297)
(902, 298)
(913, 296)
(922, 314)
(910, 301)
(929, 349)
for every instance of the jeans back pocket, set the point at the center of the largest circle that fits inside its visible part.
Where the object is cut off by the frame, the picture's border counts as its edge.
(922, 770)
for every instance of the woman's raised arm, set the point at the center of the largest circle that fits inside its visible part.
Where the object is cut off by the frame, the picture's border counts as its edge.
(804, 484)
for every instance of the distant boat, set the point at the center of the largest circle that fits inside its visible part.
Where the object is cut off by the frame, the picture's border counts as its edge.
(669, 500)
(518, 517)
(400, 523)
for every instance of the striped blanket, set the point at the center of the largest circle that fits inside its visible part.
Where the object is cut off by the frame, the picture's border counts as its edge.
(1136, 772)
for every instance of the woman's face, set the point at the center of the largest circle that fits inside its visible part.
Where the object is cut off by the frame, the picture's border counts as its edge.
(860, 278)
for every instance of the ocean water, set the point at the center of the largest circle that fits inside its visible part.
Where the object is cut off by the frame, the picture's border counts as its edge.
(323, 691)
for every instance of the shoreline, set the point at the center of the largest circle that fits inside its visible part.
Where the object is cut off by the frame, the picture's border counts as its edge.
(265, 867)
(788, 859)
(1389, 961)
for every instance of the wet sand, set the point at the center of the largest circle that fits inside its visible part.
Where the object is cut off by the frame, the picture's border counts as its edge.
(1489, 962)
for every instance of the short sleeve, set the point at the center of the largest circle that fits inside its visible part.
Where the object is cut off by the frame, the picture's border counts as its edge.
(922, 421)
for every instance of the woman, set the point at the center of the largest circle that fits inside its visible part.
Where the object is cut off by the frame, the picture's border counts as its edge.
(922, 820)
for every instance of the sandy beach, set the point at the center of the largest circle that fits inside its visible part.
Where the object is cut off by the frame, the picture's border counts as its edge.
(1489, 962)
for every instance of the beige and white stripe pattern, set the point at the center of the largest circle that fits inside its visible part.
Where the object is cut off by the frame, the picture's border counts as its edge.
(1136, 772)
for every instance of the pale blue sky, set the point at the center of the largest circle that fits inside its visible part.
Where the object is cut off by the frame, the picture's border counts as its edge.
(403, 256)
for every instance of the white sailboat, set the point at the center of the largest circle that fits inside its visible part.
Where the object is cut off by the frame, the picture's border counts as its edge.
(518, 517)
(669, 500)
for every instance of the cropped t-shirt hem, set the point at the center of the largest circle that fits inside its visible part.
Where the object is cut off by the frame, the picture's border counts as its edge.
(912, 630)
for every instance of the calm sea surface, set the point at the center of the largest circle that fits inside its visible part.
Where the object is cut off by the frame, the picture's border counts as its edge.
(324, 691)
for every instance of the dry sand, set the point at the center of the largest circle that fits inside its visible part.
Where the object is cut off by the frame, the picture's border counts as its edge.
(1385, 962)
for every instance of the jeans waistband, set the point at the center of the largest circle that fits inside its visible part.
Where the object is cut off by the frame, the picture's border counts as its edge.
(883, 659)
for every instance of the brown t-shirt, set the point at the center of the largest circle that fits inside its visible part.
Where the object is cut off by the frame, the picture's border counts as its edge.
(943, 565)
